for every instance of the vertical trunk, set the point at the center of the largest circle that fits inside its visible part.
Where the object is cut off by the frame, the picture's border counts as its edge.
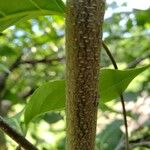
(84, 19)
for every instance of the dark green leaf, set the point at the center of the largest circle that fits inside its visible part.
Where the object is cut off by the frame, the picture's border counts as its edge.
(6, 51)
(52, 117)
(142, 17)
(26, 9)
(129, 24)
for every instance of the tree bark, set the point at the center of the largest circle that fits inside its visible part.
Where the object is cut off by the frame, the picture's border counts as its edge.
(84, 19)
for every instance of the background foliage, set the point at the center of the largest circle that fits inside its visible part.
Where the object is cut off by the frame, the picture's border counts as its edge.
(33, 52)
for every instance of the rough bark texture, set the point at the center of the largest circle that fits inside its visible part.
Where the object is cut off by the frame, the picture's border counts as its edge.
(84, 19)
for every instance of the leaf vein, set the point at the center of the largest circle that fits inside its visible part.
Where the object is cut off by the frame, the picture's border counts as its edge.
(36, 5)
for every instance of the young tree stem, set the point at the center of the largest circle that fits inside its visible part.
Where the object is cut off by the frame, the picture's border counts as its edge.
(84, 19)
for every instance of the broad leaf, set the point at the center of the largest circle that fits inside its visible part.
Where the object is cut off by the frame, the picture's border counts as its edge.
(51, 96)
(14, 11)
(114, 82)
(109, 138)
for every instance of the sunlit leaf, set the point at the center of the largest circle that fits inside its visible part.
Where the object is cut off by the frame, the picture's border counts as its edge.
(15, 122)
(51, 96)
(14, 11)
(114, 82)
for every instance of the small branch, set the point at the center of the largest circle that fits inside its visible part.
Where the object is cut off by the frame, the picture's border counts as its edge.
(141, 139)
(4, 75)
(133, 144)
(27, 94)
(44, 60)
(18, 62)
(135, 62)
(110, 55)
(121, 96)
(140, 144)
(17, 137)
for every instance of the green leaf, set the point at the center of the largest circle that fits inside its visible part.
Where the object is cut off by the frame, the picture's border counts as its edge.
(7, 51)
(15, 122)
(13, 97)
(142, 17)
(51, 96)
(107, 140)
(3, 68)
(52, 117)
(14, 11)
(114, 82)
(104, 108)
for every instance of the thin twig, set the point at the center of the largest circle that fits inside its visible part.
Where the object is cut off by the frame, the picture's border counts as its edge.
(17, 137)
(4, 75)
(135, 62)
(125, 121)
(44, 60)
(140, 144)
(121, 96)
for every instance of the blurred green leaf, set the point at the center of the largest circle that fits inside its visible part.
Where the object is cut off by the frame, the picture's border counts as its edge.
(13, 97)
(52, 117)
(142, 17)
(26, 9)
(104, 108)
(15, 122)
(3, 68)
(131, 96)
(6, 51)
(51, 96)
(129, 24)
(109, 138)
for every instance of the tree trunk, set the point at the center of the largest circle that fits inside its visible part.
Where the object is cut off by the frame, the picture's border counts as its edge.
(84, 19)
